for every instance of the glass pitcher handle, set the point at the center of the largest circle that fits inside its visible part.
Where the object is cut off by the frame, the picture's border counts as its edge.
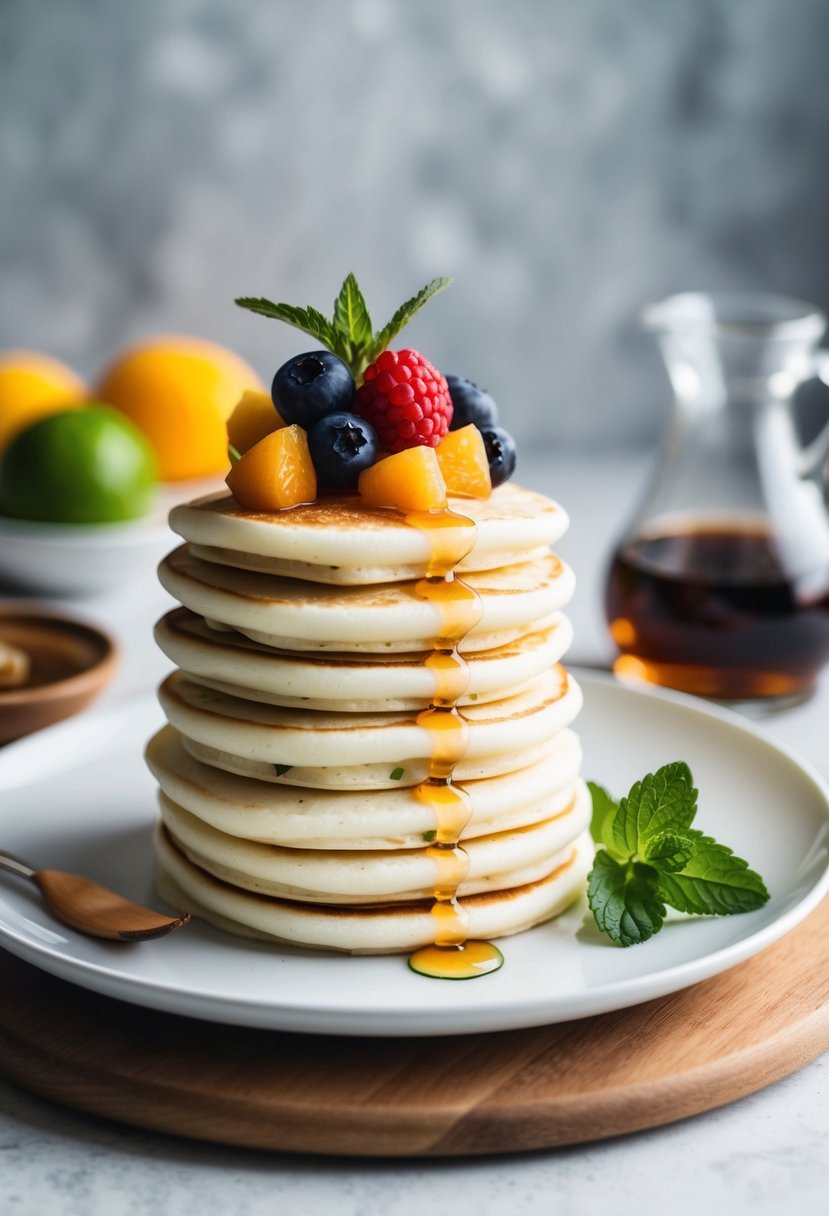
(814, 455)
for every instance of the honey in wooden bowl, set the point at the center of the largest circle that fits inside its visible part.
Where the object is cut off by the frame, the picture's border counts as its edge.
(68, 664)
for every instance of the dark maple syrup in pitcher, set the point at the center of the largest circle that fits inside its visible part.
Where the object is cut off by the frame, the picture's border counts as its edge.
(714, 609)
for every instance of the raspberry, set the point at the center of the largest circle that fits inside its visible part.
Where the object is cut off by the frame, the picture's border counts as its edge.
(405, 399)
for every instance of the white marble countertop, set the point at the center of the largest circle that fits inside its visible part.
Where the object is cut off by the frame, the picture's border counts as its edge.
(766, 1154)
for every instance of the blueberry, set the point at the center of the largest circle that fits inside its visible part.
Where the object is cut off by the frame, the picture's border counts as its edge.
(470, 404)
(309, 386)
(501, 454)
(341, 446)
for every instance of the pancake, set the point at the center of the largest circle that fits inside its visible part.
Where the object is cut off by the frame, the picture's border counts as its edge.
(313, 723)
(368, 777)
(291, 737)
(339, 540)
(233, 663)
(293, 615)
(379, 929)
(496, 861)
(393, 818)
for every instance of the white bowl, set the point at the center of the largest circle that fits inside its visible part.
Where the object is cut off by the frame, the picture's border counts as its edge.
(86, 559)
(80, 559)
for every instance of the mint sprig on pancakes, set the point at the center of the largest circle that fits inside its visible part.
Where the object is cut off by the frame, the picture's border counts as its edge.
(650, 856)
(348, 334)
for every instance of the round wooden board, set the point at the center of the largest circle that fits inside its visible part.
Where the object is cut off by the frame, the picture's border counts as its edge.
(452, 1096)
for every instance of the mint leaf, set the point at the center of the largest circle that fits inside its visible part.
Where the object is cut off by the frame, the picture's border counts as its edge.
(309, 320)
(430, 836)
(661, 800)
(624, 899)
(233, 454)
(349, 334)
(403, 315)
(351, 315)
(669, 851)
(282, 769)
(604, 812)
(650, 856)
(396, 774)
(320, 325)
(713, 882)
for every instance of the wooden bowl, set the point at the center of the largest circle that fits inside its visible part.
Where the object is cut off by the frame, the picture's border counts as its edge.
(71, 662)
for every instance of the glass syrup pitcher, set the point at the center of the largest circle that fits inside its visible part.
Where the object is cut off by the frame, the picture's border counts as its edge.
(720, 584)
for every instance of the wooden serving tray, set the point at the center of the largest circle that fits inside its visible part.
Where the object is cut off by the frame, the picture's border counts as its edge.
(440, 1097)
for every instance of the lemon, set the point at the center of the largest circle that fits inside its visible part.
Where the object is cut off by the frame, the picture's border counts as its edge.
(31, 386)
(86, 466)
(180, 391)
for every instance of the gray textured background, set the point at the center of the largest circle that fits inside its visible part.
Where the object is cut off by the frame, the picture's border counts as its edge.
(565, 160)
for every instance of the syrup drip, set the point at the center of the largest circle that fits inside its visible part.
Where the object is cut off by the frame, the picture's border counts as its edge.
(452, 955)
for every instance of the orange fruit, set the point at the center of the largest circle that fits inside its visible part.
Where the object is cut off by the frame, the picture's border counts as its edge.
(277, 472)
(253, 418)
(410, 480)
(180, 391)
(463, 461)
(31, 386)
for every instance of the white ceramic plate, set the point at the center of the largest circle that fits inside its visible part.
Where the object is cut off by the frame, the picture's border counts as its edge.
(77, 797)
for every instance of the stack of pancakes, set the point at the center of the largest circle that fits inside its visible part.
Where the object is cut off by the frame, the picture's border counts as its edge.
(291, 768)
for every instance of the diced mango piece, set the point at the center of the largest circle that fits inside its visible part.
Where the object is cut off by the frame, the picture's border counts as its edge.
(275, 473)
(462, 458)
(410, 481)
(253, 418)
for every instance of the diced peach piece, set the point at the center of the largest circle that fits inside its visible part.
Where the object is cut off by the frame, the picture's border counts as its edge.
(253, 418)
(462, 458)
(410, 481)
(275, 473)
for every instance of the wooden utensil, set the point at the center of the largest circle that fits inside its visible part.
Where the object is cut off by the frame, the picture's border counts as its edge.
(90, 908)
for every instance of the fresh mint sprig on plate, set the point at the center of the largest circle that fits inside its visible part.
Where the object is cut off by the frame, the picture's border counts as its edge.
(349, 333)
(650, 856)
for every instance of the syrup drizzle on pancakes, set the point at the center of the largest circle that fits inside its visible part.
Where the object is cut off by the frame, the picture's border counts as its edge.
(451, 955)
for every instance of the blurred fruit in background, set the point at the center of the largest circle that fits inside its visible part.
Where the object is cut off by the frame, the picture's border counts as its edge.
(31, 386)
(81, 466)
(81, 511)
(253, 418)
(181, 392)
